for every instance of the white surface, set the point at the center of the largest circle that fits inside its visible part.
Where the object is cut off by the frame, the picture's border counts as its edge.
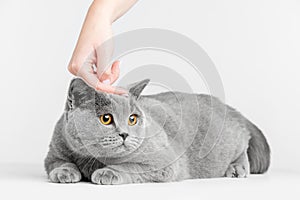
(254, 44)
(27, 181)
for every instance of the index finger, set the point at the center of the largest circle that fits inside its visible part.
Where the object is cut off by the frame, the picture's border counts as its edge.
(91, 79)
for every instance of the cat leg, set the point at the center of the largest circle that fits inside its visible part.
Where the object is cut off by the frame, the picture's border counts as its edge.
(65, 173)
(60, 171)
(239, 168)
(108, 176)
(131, 173)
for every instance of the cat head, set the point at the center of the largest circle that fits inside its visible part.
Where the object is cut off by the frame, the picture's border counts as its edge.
(104, 125)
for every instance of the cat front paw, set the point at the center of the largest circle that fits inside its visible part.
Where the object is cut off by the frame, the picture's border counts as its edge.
(65, 175)
(236, 171)
(106, 176)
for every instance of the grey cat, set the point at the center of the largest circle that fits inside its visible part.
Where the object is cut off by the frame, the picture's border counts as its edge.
(171, 136)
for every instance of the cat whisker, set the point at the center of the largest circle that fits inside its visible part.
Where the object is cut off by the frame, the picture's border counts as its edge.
(111, 144)
(133, 143)
(134, 140)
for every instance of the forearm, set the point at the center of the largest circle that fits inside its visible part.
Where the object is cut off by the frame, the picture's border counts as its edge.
(54, 160)
(97, 24)
(88, 53)
(132, 173)
(57, 163)
(61, 170)
(111, 9)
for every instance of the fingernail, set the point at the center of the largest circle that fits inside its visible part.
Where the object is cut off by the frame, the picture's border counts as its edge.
(124, 94)
(106, 82)
(122, 91)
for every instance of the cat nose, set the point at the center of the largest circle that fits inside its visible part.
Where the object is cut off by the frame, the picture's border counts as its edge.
(124, 135)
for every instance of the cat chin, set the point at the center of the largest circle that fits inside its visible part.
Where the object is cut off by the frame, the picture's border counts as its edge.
(113, 152)
(97, 150)
(122, 150)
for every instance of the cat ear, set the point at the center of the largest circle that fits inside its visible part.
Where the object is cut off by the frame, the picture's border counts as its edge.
(78, 93)
(135, 89)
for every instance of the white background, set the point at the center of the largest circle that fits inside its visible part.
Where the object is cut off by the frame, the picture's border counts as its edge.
(255, 46)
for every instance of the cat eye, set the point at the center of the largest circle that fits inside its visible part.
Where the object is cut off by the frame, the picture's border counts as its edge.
(132, 119)
(106, 119)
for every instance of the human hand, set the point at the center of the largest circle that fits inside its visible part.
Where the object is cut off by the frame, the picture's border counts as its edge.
(92, 54)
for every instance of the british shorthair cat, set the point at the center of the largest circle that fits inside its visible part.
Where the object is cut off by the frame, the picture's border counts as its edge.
(172, 136)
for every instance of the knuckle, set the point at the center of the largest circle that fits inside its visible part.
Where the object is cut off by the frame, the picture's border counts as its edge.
(98, 87)
(73, 68)
(103, 75)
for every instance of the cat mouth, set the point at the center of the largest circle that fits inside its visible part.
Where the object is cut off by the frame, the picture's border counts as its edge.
(118, 146)
(120, 149)
(123, 144)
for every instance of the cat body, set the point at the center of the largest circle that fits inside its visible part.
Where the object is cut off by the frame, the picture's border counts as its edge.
(163, 137)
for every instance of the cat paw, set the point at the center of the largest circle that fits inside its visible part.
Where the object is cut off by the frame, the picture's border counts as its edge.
(64, 175)
(106, 176)
(236, 171)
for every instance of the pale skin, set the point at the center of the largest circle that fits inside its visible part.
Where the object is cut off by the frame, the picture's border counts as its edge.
(91, 62)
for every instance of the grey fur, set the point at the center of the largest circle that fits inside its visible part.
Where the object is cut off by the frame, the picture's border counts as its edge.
(178, 136)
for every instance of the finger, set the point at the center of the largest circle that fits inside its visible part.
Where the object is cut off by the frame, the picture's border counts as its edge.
(110, 89)
(115, 71)
(79, 63)
(91, 79)
(105, 76)
(111, 75)
(104, 54)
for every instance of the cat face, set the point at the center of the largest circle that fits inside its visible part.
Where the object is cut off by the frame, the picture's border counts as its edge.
(104, 125)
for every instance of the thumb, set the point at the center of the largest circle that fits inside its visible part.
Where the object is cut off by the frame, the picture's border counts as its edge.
(111, 74)
(105, 75)
(103, 60)
(103, 68)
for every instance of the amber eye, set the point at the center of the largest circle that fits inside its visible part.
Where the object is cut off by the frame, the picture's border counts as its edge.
(106, 119)
(132, 120)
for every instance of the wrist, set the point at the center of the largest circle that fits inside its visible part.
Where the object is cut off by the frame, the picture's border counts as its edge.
(102, 10)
